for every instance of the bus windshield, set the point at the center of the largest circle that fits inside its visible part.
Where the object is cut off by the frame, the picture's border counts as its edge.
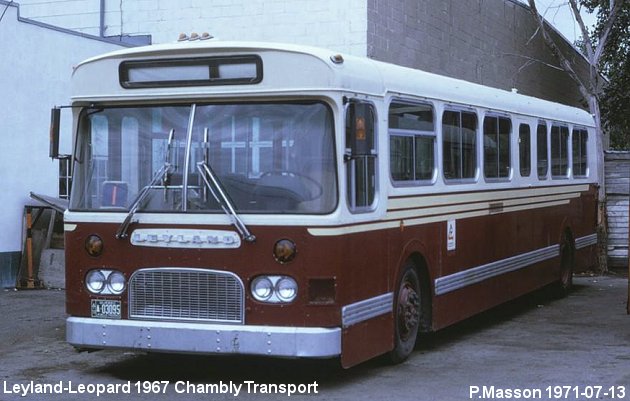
(266, 157)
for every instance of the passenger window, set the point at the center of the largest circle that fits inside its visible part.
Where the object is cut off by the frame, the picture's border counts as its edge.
(541, 153)
(524, 150)
(459, 143)
(559, 151)
(411, 142)
(496, 147)
(580, 159)
(360, 156)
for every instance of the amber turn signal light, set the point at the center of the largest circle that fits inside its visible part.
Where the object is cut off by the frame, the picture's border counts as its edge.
(284, 251)
(94, 245)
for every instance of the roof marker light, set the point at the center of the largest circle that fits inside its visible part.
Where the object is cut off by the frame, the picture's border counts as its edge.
(337, 58)
(182, 37)
(206, 36)
(194, 36)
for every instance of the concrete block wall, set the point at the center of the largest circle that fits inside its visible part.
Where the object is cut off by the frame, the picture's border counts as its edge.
(339, 25)
(79, 15)
(490, 42)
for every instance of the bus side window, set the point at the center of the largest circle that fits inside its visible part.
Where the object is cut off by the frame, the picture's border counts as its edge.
(580, 159)
(496, 147)
(542, 159)
(411, 143)
(459, 145)
(524, 150)
(360, 156)
(559, 151)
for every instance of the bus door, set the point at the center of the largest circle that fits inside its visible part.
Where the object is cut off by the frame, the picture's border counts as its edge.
(365, 335)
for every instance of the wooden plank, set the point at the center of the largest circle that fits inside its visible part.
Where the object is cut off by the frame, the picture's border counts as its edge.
(617, 180)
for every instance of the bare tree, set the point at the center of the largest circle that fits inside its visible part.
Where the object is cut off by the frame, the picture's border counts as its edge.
(591, 90)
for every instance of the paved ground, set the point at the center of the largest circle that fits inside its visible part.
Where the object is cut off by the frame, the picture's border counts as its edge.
(532, 344)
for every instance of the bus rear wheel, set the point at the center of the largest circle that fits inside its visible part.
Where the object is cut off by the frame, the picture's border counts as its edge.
(407, 315)
(564, 285)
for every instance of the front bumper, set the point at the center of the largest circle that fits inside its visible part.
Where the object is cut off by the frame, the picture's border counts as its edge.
(306, 342)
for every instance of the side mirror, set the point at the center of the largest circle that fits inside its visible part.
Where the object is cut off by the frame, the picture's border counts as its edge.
(55, 118)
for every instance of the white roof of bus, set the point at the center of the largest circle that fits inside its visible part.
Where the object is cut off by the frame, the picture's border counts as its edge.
(363, 75)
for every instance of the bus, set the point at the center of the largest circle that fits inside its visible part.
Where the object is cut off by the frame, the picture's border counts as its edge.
(294, 202)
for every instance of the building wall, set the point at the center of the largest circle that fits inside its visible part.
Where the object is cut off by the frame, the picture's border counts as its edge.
(490, 42)
(617, 206)
(484, 41)
(339, 25)
(34, 76)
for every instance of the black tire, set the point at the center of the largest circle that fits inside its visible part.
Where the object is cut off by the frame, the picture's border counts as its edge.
(407, 314)
(564, 285)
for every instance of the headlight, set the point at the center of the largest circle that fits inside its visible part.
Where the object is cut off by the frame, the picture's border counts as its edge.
(286, 289)
(105, 282)
(95, 281)
(262, 288)
(116, 282)
(274, 289)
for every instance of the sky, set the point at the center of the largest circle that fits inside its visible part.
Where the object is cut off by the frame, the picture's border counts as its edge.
(558, 13)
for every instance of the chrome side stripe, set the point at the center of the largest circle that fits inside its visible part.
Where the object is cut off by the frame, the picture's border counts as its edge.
(367, 309)
(382, 304)
(586, 241)
(456, 281)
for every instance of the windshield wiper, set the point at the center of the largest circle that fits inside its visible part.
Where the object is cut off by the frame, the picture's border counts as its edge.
(121, 233)
(223, 200)
(163, 174)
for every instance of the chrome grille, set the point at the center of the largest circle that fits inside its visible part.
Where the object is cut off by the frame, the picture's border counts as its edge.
(186, 294)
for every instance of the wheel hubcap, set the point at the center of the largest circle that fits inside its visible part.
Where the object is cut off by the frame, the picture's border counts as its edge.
(408, 310)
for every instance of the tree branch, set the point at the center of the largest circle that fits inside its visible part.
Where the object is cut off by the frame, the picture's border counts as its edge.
(585, 90)
(585, 33)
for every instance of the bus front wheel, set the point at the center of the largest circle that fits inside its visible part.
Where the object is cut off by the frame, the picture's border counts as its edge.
(407, 314)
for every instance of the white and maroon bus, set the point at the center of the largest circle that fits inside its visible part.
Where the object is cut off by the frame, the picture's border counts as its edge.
(280, 200)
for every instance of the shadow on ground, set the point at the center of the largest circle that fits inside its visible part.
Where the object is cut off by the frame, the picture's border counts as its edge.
(206, 369)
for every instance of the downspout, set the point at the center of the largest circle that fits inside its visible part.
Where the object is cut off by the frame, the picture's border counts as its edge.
(102, 19)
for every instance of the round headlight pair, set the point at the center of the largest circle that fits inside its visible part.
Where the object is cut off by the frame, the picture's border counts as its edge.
(105, 282)
(274, 289)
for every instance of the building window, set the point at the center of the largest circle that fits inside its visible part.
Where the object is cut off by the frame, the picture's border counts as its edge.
(524, 150)
(65, 177)
(580, 159)
(459, 143)
(496, 147)
(411, 142)
(559, 151)
(541, 153)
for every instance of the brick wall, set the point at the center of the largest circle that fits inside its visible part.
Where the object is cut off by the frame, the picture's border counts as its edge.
(483, 41)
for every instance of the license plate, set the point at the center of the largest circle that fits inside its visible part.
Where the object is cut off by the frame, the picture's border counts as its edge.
(105, 309)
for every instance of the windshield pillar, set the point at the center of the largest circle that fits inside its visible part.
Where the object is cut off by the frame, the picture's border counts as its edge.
(189, 135)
